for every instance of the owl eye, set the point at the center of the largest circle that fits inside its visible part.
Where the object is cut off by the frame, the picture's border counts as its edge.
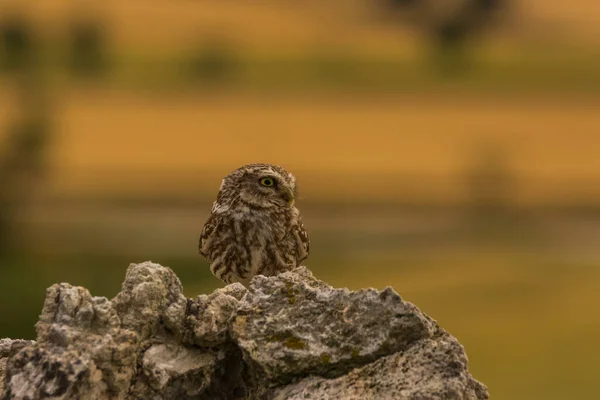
(268, 182)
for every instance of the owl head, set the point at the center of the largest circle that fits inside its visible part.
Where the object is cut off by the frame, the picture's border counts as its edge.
(258, 185)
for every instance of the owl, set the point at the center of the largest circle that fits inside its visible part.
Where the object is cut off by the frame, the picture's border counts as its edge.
(254, 227)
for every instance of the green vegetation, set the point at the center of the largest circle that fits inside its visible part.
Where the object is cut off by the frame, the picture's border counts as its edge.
(289, 341)
(214, 65)
(523, 70)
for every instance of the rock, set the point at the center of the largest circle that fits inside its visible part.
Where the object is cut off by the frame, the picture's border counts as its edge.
(431, 369)
(207, 317)
(285, 337)
(326, 331)
(150, 294)
(37, 373)
(80, 350)
(8, 348)
(173, 371)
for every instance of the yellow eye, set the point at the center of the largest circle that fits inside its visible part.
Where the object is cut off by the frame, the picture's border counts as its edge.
(267, 182)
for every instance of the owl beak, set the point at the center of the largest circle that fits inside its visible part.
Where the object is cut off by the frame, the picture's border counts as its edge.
(288, 195)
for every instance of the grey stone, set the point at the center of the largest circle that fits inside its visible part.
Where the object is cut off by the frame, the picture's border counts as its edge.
(286, 337)
(325, 331)
(173, 371)
(8, 348)
(80, 350)
(38, 373)
(207, 317)
(150, 294)
(433, 369)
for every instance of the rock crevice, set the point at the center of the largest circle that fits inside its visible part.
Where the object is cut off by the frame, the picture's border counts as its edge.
(285, 337)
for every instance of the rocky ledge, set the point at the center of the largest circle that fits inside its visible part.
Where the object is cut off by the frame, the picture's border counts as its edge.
(285, 337)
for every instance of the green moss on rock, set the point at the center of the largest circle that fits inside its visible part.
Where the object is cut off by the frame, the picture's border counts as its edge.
(288, 340)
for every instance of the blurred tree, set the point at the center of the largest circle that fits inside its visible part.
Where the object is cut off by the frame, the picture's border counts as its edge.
(491, 188)
(450, 25)
(87, 47)
(16, 42)
(22, 160)
(335, 66)
(20, 168)
(214, 60)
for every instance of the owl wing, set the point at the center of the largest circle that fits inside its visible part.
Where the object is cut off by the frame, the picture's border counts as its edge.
(206, 237)
(302, 241)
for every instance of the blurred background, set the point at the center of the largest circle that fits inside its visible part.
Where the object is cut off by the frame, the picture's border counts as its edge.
(450, 149)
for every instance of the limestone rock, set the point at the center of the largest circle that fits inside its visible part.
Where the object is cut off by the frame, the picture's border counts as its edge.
(173, 371)
(80, 350)
(285, 337)
(207, 316)
(150, 294)
(325, 331)
(8, 348)
(430, 369)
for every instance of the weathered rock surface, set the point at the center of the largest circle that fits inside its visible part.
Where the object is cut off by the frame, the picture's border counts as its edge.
(431, 369)
(325, 331)
(8, 348)
(285, 337)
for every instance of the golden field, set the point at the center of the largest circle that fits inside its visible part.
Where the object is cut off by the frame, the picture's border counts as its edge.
(188, 143)
(427, 130)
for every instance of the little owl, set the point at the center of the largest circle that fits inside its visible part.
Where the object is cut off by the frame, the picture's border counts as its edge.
(254, 227)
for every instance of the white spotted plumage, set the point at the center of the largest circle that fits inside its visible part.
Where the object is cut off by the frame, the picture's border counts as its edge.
(254, 229)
